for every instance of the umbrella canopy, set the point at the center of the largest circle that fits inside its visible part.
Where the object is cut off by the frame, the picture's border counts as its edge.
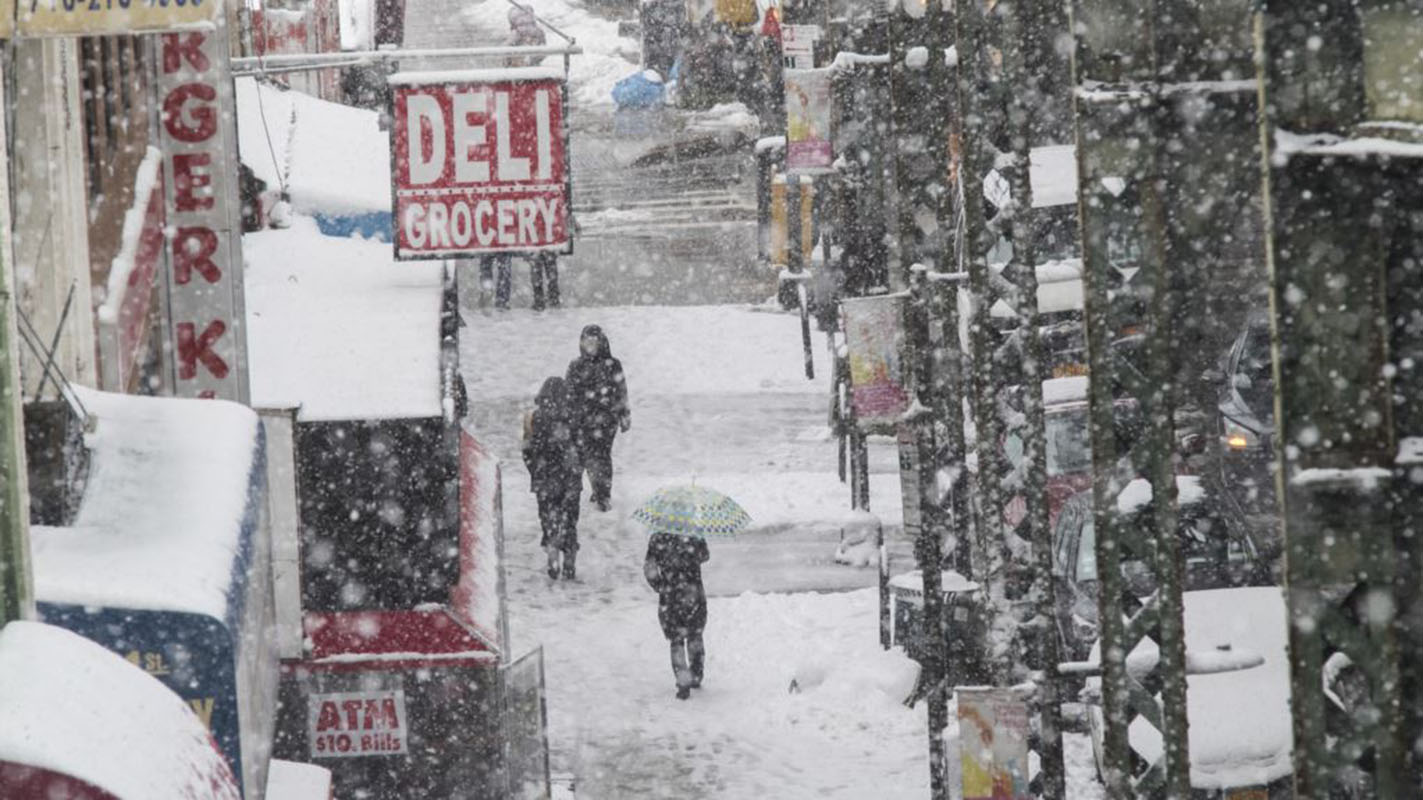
(693, 511)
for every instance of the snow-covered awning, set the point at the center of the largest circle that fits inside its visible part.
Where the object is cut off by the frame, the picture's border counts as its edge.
(168, 511)
(333, 159)
(339, 328)
(72, 708)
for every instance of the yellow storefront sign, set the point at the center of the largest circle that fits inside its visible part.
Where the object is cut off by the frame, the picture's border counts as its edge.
(98, 17)
(778, 221)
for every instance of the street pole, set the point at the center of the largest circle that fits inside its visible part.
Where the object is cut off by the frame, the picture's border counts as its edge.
(16, 582)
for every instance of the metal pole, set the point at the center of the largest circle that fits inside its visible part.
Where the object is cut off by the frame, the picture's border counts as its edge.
(16, 582)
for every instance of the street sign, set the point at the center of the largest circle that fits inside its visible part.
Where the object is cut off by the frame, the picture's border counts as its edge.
(207, 338)
(479, 162)
(99, 17)
(798, 45)
(354, 724)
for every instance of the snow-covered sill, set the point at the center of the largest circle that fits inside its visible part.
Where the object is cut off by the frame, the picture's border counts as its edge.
(844, 60)
(362, 658)
(1364, 479)
(1098, 92)
(476, 76)
(1327, 144)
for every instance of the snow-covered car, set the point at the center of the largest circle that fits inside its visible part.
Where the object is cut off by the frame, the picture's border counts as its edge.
(1246, 413)
(1213, 559)
(1240, 726)
(1240, 734)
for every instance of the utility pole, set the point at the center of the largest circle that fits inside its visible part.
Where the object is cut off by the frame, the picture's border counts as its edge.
(921, 177)
(16, 583)
(1343, 158)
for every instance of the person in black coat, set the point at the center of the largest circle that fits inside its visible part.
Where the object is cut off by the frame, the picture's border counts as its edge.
(555, 474)
(673, 568)
(600, 409)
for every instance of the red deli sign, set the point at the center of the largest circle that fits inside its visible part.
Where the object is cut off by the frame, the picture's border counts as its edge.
(478, 162)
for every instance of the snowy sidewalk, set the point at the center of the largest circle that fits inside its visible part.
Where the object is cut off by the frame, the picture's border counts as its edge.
(717, 394)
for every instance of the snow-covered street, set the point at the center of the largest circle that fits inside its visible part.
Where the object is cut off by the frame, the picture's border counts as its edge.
(718, 396)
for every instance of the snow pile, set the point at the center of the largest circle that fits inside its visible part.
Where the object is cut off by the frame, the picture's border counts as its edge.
(1072, 389)
(73, 708)
(725, 117)
(1137, 494)
(290, 780)
(331, 158)
(592, 74)
(160, 526)
(339, 328)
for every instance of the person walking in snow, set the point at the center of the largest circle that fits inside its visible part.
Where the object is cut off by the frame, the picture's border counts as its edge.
(673, 568)
(555, 475)
(600, 409)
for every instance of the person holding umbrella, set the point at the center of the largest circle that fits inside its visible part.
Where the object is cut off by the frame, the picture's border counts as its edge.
(555, 474)
(680, 519)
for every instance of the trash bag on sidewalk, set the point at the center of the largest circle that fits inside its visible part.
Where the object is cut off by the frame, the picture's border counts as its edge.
(639, 90)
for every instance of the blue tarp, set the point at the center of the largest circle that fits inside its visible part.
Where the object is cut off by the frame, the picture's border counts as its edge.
(371, 225)
(638, 91)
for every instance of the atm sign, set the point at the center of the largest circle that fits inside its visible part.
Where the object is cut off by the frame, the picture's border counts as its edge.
(358, 724)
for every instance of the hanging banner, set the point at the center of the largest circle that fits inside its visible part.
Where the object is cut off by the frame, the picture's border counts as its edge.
(993, 744)
(874, 335)
(808, 147)
(478, 162)
(198, 137)
(99, 17)
(7, 19)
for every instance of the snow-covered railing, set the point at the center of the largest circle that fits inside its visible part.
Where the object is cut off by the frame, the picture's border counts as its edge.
(287, 62)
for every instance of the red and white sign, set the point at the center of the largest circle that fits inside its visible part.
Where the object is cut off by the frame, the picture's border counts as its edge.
(207, 341)
(355, 724)
(479, 162)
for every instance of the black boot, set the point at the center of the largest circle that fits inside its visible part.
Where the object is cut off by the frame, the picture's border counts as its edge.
(568, 566)
(553, 564)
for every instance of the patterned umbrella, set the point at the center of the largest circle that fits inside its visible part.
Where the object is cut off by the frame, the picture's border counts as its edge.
(692, 511)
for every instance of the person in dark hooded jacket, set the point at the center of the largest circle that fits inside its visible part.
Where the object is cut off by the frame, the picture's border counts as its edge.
(600, 409)
(555, 474)
(673, 568)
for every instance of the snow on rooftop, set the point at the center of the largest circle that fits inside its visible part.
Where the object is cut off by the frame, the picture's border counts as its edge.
(340, 328)
(72, 707)
(333, 157)
(161, 522)
(489, 75)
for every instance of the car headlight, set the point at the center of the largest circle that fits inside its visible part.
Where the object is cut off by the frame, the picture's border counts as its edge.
(1239, 438)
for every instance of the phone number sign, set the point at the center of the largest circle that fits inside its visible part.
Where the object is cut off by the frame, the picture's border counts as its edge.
(478, 162)
(95, 17)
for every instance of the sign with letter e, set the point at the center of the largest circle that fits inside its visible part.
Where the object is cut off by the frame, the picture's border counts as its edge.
(479, 162)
